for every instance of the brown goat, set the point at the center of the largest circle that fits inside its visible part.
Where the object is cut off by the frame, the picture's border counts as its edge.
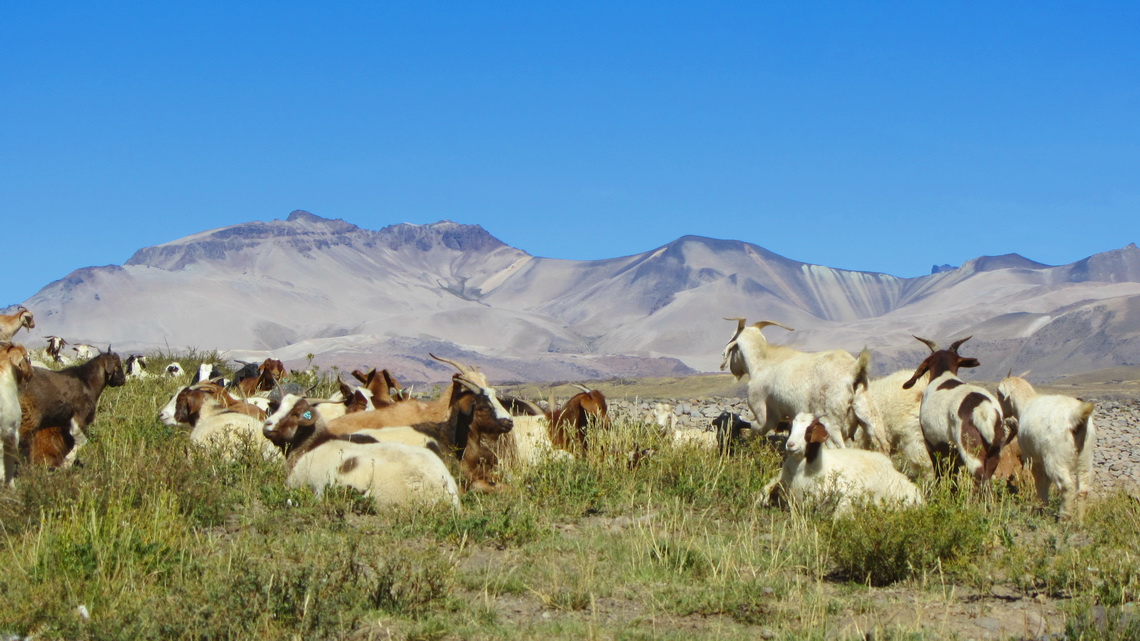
(570, 424)
(250, 381)
(384, 387)
(59, 406)
(12, 323)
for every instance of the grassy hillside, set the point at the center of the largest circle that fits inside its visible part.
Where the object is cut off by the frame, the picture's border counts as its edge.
(157, 539)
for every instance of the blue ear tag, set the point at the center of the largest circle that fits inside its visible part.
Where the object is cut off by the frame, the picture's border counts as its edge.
(308, 415)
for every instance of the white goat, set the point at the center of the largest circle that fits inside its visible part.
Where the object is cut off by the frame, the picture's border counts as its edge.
(136, 366)
(175, 369)
(960, 422)
(15, 367)
(784, 382)
(84, 351)
(390, 473)
(899, 412)
(1057, 438)
(849, 475)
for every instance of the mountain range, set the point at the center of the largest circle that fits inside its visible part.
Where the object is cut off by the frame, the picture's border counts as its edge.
(349, 297)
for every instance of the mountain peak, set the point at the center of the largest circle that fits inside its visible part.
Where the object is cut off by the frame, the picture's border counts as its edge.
(1004, 261)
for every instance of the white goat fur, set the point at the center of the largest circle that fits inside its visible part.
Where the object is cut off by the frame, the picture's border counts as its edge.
(784, 382)
(899, 412)
(527, 444)
(1057, 438)
(10, 414)
(228, 431)
(850, 474)
(391, 473)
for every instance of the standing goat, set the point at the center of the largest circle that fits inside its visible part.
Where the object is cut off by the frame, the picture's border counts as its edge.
(58, 407)
(1057, 438)
(15, 368)
(961, 422)
(12, 323)
(784, 382)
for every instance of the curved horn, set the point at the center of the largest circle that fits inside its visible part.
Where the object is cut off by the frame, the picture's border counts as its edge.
(763, 324)
(929, 343)
(462, 369)
(958, 343)
(582, 387)
(469, 385)
(1010, 374)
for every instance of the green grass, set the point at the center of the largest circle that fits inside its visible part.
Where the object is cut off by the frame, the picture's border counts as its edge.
(159, 539)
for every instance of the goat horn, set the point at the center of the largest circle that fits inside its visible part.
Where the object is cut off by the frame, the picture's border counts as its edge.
(763, 324)
(956, 344)
(582, 387)
(1010, 374)
(462, 369)
(469, 385)
(929, 343)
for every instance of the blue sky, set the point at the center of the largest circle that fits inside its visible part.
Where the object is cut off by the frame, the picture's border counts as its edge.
(873, 136)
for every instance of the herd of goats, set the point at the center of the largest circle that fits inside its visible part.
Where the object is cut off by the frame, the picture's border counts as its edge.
(376, 437)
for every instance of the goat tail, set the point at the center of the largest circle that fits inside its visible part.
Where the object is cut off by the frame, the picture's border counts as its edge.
(863, 369)
(1080, 427)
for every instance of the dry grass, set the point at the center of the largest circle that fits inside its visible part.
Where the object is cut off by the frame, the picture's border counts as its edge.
(157, 539)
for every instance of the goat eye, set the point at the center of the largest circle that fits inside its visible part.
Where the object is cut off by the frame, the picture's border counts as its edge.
(308, 415)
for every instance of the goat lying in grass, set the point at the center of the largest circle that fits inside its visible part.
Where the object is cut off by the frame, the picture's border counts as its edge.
(389, 473)
(59, 406)
(205, 408)
(849, 475)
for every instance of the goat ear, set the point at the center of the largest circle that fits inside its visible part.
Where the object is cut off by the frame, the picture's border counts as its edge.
(969, 362)
(816, 432)
(917, 375)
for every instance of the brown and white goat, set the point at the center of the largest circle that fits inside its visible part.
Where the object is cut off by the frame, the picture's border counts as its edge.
(205, 408)
(389, 473)
(15, 368)
(59, 406)
(961, 422)
(12, 323)
(471, 423)
(54, 348)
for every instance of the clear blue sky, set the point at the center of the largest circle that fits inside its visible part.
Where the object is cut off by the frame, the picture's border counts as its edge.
(873, 136)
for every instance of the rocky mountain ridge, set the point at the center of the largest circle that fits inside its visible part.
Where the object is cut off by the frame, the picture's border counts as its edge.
(352, 296)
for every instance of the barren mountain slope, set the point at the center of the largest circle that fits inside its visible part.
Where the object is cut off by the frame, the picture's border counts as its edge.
(309, 285)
